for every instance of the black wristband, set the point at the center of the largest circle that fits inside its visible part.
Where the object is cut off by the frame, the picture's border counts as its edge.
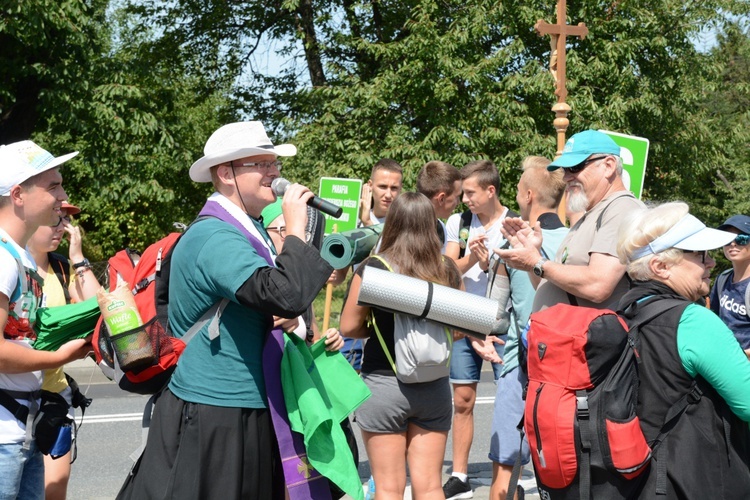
(84, 263)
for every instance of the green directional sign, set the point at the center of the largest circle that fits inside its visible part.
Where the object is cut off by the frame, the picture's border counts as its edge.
(634, 154)
(345, 194)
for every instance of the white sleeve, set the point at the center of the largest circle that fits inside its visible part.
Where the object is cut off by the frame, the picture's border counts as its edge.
(8, 273)
(452, 227)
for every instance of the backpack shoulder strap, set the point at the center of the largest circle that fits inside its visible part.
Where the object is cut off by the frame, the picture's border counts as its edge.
(61, 266)
(22, 287)
(381, 259)
(599, 220)
(465, 223)
(721, 280)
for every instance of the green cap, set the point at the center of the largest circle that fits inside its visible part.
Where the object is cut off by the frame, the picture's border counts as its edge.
(270, 213)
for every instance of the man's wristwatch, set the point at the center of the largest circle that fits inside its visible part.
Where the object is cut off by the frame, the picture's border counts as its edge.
(84, 263)
(538, 267)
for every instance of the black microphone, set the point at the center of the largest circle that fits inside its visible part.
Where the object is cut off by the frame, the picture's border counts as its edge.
(280, 184)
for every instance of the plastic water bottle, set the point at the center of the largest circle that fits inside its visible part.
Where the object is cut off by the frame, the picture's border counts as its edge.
(370, 489)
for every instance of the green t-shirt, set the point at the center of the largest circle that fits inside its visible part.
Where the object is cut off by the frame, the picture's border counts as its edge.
(211, 262)
(707, 347)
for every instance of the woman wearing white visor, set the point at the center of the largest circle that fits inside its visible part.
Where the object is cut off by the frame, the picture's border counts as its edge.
(691, 364)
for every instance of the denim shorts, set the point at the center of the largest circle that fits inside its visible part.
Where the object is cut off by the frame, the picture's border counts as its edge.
(466, 364)
(352, 351)
(504, 437)
(22, 475)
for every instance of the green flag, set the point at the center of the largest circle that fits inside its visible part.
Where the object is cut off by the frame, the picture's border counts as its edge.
(57, 325)
(320, 390)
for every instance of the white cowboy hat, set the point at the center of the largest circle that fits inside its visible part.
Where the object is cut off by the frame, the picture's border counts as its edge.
(234, 141)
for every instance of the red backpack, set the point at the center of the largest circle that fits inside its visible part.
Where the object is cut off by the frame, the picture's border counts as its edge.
(149, 282)
(580, 417)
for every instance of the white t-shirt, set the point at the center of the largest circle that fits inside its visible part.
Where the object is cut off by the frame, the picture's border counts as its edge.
(475, 280)
(11, 430)
(376, 220)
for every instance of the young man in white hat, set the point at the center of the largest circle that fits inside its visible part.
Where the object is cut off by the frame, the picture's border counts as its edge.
(215, 431)
(31, 195)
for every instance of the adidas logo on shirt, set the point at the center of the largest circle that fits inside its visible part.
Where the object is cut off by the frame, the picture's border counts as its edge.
(731, 305)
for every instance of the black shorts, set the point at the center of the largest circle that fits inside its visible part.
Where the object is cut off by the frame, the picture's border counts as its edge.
(197, 451)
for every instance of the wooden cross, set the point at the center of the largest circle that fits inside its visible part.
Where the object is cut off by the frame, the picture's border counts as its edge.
(559, 33)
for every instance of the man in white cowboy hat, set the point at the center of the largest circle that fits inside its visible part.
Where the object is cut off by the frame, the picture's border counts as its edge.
(214, 430)
(31, 195)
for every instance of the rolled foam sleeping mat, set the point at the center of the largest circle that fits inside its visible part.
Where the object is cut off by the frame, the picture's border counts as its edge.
(462, 311)
(341, 250)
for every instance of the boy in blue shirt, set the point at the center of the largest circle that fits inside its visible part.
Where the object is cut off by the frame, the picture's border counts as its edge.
(730, 295)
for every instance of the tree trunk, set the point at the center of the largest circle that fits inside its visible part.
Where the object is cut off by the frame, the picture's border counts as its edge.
(19, 120)
(306, 25)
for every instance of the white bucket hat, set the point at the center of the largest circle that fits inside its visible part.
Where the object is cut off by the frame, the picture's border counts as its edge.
(23, 160)
(234, 141)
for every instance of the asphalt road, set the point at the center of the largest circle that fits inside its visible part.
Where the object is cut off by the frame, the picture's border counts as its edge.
(111, 432)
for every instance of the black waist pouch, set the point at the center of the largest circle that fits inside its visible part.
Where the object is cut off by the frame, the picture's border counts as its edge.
(53, 426)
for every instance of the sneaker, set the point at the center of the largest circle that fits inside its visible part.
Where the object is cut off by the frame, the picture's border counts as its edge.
(370, 489)
(454, 488)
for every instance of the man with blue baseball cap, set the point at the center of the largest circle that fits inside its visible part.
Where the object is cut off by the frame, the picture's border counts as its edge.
(586, 270)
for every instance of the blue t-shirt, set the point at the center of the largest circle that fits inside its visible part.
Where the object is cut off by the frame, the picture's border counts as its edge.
(729, 305)
(211, 262)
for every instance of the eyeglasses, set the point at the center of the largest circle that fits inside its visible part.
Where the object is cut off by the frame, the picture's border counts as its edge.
(64, 218)
(703, 254)
(264, 165)
(583, 165)
(741, 240)
(280, 229)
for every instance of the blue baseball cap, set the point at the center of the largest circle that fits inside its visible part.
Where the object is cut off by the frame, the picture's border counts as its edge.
(739, 222)
(581, 146)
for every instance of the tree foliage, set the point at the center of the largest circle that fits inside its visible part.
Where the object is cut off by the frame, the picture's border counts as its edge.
(455, 80)
(414, 80)
(137, 119)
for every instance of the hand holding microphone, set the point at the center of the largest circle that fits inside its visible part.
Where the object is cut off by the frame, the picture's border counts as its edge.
(280, 185)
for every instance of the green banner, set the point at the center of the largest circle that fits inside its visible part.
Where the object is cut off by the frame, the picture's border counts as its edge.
(345, 194)
(634, 154)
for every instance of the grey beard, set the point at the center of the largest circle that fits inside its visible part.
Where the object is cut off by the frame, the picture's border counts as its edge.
(578, 201)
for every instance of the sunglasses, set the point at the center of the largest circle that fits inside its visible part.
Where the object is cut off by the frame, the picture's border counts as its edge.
(703, 253)
(64, 218)
(741, 240)
(579, 168)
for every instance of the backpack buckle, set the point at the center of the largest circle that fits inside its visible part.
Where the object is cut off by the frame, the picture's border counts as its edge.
(694, 396)
(582, 405)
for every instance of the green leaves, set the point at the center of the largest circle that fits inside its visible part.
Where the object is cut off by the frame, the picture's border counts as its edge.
(415, 80)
